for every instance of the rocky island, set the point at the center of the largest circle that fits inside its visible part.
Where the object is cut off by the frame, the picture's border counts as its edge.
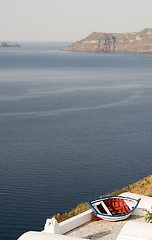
(114, 42)
(9, 44)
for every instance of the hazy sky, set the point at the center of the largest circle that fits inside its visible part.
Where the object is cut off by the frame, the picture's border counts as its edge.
(70, 20)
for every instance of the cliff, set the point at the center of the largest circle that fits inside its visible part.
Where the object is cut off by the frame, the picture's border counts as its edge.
(114, 42)
(8, 44)
(143, 187)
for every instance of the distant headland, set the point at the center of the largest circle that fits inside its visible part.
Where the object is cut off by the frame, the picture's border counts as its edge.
(9, 44)
(114, 42)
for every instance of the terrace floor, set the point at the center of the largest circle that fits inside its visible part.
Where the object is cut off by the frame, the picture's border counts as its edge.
(102, 230)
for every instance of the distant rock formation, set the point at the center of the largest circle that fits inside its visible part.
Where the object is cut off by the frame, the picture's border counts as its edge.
(114, 42)
(8, 44)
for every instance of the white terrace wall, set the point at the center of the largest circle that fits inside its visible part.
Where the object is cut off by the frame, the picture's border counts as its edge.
(52, 226)
(46, 236)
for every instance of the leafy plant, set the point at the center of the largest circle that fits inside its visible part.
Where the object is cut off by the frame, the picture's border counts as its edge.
(148, 215)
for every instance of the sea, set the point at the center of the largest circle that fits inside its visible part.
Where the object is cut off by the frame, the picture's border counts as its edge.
(73, 126)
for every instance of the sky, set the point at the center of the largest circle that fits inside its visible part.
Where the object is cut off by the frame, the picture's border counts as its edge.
(70, 20)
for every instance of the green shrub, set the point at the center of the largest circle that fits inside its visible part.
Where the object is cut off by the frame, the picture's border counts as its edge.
(148, 215)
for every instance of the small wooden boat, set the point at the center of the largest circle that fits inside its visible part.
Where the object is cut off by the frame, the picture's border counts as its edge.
(113, 208)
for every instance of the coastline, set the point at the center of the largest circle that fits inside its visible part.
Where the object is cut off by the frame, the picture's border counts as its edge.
(114, 42)
(9, 44)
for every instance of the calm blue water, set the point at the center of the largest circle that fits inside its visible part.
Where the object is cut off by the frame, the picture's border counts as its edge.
(73, 126)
